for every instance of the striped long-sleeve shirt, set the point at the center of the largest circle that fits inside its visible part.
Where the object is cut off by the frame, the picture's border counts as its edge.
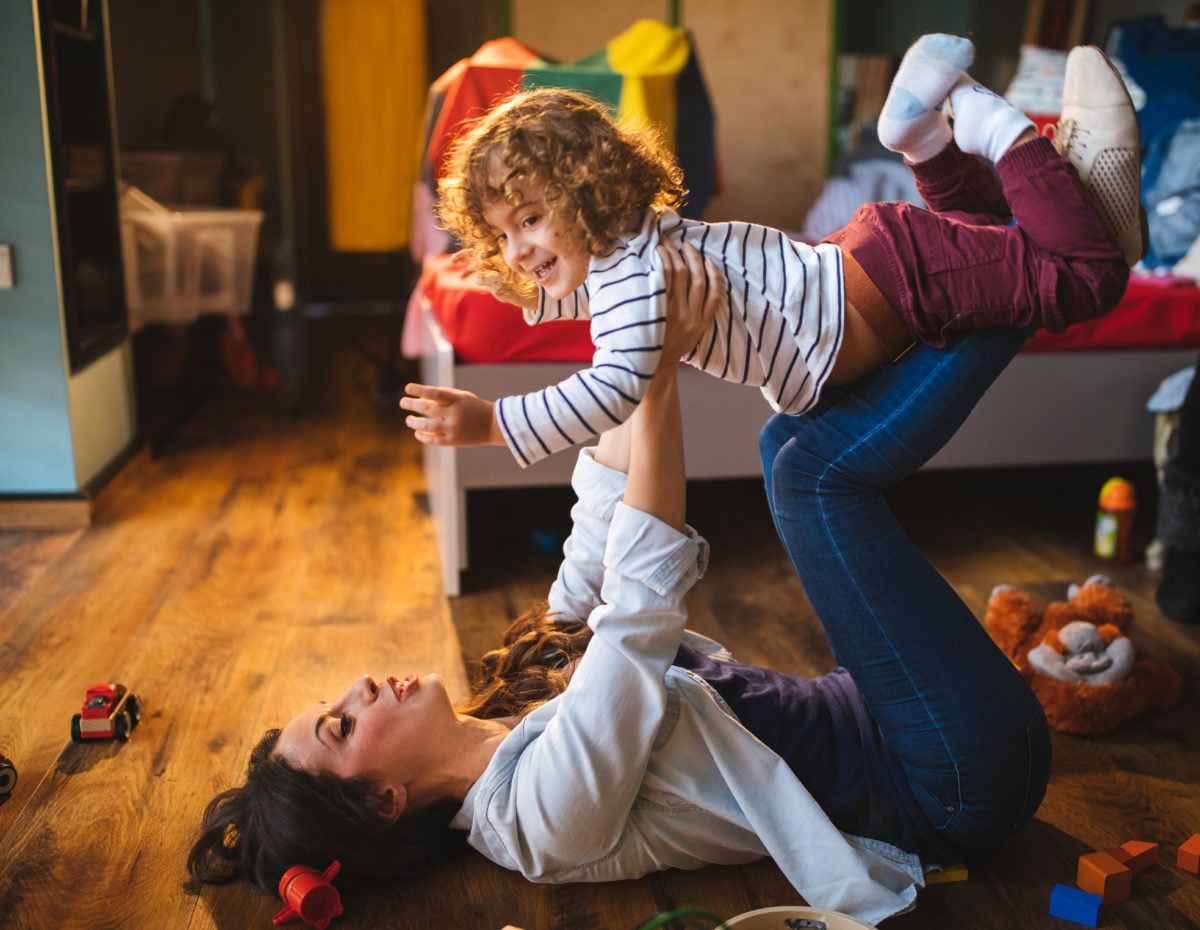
(778, 328)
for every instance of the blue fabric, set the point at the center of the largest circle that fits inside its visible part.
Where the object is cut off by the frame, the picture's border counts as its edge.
(1171, 193)
(1165, 62)
(963, 727)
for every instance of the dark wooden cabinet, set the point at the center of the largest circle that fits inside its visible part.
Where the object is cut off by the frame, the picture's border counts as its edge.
(80, 120)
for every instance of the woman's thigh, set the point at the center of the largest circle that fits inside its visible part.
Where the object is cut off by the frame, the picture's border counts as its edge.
(950, 706)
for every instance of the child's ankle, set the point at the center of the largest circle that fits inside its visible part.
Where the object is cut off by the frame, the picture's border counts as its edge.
(985, 124)
(911, 121)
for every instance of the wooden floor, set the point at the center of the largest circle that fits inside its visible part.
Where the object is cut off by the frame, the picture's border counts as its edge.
(263, 561)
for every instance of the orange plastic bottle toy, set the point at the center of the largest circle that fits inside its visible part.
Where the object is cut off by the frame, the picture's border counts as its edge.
(1114, 520)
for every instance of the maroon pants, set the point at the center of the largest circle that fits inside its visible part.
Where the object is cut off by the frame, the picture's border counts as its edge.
(1026, 248)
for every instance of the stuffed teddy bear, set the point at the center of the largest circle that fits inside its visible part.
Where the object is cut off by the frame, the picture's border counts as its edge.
(1078, 660)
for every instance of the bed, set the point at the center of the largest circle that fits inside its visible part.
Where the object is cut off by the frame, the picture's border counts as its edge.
(1075, 397)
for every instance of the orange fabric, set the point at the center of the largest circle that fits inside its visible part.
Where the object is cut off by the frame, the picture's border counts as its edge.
(471, 86)
(373, 76)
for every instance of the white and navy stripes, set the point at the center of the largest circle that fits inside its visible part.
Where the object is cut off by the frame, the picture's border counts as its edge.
(778, 328)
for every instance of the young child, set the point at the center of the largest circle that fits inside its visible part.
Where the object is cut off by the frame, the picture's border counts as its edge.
(563, 212)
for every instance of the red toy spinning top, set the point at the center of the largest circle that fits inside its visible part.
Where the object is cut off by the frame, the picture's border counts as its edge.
(309, 895)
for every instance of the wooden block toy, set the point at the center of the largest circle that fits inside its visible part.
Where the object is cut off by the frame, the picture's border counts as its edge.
(1075, 905)
(1104, 875)
(950, 872)
(1189, 854)
(1136, 854)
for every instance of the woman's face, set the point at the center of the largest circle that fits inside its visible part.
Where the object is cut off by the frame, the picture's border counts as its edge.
(387, 731)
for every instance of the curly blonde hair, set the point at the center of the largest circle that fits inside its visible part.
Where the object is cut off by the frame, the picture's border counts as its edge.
(600, 176)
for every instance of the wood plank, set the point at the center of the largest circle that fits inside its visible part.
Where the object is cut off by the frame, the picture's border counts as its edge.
(71, 626)
(24, 556)
(189, 647)
(262, 563)
(44, 513)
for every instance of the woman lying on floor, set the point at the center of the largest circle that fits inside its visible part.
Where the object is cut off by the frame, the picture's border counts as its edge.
(608, 742)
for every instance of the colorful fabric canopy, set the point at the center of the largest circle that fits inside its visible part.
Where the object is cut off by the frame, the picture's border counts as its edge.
(649, 72)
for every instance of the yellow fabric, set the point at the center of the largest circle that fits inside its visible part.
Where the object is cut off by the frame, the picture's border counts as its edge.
(649, 55)
(373, 82)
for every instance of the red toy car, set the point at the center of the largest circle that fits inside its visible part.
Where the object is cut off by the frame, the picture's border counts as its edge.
(8, 776)
(109, 710)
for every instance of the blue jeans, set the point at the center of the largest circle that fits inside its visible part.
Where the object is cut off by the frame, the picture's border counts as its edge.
(956, 716)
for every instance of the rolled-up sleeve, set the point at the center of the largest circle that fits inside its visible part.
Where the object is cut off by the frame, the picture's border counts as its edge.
(605, 724)
(598, 490)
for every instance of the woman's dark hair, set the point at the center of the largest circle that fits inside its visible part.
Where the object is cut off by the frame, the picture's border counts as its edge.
(282, 816)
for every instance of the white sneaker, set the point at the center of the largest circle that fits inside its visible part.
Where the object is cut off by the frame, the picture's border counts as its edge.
(1098, 133)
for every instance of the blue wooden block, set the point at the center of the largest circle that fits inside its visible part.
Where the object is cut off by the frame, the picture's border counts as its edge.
(1072, 904)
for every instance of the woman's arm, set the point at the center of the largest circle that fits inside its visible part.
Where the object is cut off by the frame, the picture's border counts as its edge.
(604, 725)
(693, 286)
(599, 478)
(656, 464)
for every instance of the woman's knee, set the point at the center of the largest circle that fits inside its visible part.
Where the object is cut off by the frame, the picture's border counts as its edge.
(1003, 793)
(793, 464)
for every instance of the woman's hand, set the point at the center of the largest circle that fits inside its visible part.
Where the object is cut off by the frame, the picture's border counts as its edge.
(657, 476)
(693, 295)
(450, 417)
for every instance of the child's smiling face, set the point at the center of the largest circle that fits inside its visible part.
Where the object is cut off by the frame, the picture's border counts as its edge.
(531, 238)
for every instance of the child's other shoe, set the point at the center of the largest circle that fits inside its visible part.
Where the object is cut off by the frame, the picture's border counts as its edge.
(1098, 134)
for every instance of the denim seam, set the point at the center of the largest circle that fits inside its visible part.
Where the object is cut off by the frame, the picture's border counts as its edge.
(945, 355)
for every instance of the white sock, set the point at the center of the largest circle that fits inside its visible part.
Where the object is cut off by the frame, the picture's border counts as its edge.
(911, 121)
(985, 123)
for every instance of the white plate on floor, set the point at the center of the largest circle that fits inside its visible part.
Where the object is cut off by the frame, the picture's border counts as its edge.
(776, 918)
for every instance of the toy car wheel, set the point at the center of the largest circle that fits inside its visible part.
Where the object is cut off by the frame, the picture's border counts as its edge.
(8, 777)
(135, 711)
(76, 733)
(121, 727)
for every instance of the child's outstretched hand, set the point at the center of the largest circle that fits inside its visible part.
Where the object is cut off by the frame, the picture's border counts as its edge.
(449, 417)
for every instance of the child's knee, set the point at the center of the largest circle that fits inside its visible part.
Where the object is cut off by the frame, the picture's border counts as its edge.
(1096, 292)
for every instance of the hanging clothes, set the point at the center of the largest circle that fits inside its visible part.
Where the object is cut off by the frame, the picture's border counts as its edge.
(373, 78)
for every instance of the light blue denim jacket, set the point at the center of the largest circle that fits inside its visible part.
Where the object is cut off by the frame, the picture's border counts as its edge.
(640, 765)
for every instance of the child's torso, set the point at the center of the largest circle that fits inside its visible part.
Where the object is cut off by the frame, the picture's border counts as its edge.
(779, 325)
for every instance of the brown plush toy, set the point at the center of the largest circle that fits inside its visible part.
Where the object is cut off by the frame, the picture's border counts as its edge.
(1078, 660)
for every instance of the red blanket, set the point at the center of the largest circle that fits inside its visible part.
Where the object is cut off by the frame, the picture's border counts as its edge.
(1155, 313)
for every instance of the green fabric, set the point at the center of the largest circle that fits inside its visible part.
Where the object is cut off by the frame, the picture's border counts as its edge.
(591, 76)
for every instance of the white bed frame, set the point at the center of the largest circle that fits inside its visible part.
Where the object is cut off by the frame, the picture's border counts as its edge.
(1045, 408)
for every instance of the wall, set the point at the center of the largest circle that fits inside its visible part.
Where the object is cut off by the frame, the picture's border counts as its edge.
(58, 430)
(885, 27)
(1106, 12)
(157, 57)
(772, 122)
(36, 453)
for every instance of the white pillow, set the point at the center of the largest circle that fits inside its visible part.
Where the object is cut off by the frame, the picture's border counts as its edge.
(1038, 84)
